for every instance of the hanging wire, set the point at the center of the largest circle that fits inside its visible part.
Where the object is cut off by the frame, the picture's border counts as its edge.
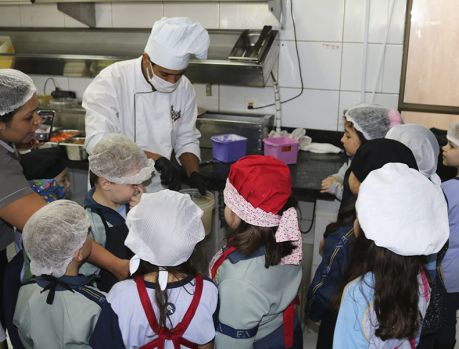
(46, 83)
(299, 65)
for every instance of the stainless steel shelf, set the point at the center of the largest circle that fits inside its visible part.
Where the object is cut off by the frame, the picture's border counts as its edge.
(85, 52)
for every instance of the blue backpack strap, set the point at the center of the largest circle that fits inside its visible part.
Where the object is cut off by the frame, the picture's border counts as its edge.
(236, 333)
(91, 294)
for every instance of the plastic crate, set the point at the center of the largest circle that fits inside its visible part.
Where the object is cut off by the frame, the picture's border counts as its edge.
(282, 148)
(228, 147)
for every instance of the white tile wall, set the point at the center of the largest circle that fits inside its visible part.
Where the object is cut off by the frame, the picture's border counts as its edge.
(79, 85)
(135, 15)
(317, 109)
(10, 16)
(320, 64)
(246, 16)
(329, 33)
(205, 13)
(40, 80)
(104, 15)
(354, 21)
(315, 20)
(41, 15)
(204, 100)
(351, 72)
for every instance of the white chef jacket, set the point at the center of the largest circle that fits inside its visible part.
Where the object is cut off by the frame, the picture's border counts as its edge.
(120, 100)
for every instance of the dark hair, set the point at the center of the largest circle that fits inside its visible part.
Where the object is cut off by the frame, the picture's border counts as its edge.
(162, 297)
(6, 118)
(396, 293)
(248, 238)
(359, 134)
(346, 215)
(92, 178)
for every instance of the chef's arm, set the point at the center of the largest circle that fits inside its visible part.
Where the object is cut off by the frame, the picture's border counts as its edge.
(190, 163)
(105, 260)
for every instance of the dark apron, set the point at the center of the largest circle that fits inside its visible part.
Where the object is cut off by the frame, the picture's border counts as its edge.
(114, 243)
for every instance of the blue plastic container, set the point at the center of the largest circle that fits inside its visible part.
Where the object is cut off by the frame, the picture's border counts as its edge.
(228, 147)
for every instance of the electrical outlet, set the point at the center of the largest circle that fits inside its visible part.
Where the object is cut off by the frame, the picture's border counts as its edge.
(250, 103)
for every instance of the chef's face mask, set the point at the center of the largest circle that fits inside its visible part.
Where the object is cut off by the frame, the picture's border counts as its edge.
(162, 85)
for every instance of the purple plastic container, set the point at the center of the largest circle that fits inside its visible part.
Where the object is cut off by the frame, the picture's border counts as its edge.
(228, 147)
(282, 148)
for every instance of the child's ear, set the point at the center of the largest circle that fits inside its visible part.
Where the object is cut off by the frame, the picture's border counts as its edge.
(104, 183)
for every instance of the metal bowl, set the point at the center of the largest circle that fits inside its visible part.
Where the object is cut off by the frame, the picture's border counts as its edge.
(75, 149)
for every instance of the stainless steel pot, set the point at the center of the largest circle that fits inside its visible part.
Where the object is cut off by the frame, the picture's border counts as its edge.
(75, 149)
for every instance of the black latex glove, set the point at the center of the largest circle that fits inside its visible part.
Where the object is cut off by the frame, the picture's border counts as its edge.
(197, 181)
(169, 174)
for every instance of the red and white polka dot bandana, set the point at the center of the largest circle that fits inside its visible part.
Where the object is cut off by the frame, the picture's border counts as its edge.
(288, 229)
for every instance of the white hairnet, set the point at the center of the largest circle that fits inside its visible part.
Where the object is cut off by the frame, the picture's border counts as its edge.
(164, 228)
(372, 120)
(173, 40)
(453, 134)
(401, 210)
(119, 160)
(52, 235)
(16, 88)
(422, 143)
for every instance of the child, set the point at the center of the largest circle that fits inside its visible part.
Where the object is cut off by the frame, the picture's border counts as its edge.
(166, 304)
(47, 173)
(259, 270)
(57, 309)
(362, 122)
(423, 144)
(386, 299)
(118, 167)
(450, 263)
(340, 237)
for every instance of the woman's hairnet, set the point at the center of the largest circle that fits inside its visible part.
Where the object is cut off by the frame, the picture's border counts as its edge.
(16, 88)
(120, 160)
(371, 120)
(453, 134)
(423, 145)
(52, 235)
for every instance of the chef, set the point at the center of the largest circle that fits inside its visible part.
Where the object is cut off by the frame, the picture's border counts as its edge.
(149, 100)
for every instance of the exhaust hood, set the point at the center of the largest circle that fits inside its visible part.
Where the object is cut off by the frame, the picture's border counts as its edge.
(236, 57)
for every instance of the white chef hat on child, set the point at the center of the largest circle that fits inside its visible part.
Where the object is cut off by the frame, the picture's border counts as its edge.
(52, 235)
(118, 159)
(164, 227)
(173, 40)
(401, 210)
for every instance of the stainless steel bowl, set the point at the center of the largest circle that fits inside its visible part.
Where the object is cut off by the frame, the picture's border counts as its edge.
(75, 149)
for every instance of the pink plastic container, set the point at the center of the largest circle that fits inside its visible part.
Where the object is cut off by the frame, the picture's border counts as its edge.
(228, 147)
(282, 148)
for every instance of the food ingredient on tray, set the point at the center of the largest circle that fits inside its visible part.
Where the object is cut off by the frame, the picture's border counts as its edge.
(63, 135)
